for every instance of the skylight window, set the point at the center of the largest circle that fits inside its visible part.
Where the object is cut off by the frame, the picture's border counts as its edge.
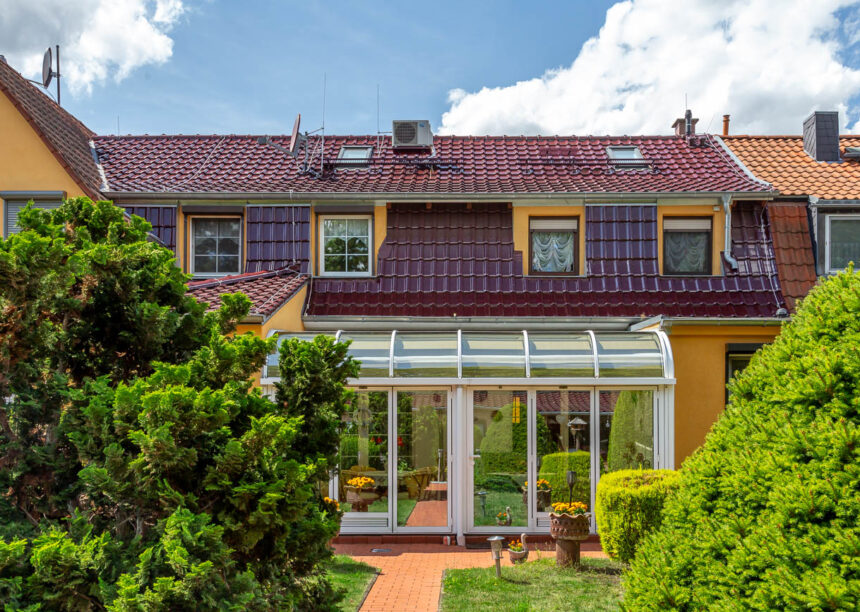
(354, 154)
(624, 154)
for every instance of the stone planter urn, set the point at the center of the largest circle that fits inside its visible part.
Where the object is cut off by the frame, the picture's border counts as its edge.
(544, 498)
(568, 531)
(519, 556)
(360, 499)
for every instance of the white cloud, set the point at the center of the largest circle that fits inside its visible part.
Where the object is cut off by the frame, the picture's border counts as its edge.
(99, 39)
(766, 63)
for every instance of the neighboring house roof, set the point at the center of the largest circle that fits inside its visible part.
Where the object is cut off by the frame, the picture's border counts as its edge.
(781, 160)
(66, 137)
(267, 291)
(792, 247)
(456, 260)
(457, 165)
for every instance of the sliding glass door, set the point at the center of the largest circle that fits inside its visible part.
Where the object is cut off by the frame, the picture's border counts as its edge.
(363, 473)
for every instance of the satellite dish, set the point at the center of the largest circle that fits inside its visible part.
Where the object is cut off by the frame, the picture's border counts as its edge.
(294, 137)
(47, 64)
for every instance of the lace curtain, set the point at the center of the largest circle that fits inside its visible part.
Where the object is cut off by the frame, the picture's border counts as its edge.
(686, 252)
(552, 251)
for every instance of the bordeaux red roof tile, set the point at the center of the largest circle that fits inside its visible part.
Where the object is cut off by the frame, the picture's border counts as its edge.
(268, 291)
(163, 220)
(455, 260)
(278, 236)
(456, 165)
(66, 137)
(793, 248)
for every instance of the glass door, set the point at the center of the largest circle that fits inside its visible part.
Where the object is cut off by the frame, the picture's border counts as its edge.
(363, 473)
(421, 450)
(500, 458)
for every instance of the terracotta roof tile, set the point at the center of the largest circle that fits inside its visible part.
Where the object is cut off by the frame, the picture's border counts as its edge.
(793, 249)
(781, 160)
(66, 137)
(457, 164)
(268, 291)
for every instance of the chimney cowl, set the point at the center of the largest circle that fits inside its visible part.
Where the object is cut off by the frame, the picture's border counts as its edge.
(726, 119)
(686, 125)
(821, 136)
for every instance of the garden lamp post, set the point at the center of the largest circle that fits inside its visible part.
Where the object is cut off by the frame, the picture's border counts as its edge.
(571, 480)
(496, 548)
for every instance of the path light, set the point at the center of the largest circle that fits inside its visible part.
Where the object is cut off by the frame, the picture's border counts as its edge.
(496, 547)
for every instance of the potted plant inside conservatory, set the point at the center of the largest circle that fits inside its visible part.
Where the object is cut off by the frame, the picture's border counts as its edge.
(544, 493)
(360, 493)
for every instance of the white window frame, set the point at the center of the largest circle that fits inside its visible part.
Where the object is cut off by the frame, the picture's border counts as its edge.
(356, 160)
(321, 219)
(191, 241)
(828, 269)
(637, 157)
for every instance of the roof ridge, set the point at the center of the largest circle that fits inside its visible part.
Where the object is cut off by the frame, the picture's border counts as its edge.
(234, 279)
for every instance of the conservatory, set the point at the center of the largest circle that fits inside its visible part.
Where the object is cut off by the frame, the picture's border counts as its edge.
(467, 432)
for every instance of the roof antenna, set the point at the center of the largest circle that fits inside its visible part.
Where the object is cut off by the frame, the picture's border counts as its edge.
(378, 134)
(322, 150)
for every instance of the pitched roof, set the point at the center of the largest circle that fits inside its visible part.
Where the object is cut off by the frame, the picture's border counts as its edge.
(66, 137)
(267, 291)
(781, 160)
(455, 260)
(456, 165)
(792, 247)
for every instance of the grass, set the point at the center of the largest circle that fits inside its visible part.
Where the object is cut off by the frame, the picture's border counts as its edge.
(352, 577)
(497, 501)
(534, 586)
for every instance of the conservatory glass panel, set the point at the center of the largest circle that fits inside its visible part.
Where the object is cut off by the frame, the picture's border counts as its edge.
(492, 355)
(373, 350)
(272, 368)
(561, 355)
(425, 355)
(629, 355)
(626, 430)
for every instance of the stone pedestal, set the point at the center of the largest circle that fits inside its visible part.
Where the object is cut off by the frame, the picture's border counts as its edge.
(568, 532)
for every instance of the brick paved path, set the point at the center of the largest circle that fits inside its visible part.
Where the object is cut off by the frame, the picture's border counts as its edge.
(411, 574)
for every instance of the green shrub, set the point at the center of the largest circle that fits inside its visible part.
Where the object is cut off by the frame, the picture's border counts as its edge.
(496, 482)
(632, 432)
(767, 516)
(554, 468)
(629, 506)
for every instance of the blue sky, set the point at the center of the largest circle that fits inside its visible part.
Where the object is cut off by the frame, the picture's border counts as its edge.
(204, 66)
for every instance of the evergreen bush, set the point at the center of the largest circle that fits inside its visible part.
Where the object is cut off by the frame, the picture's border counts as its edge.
(767, 516)
(554, 468)
(629, 505)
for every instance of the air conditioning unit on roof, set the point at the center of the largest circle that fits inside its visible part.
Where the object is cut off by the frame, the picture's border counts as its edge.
(411, 135)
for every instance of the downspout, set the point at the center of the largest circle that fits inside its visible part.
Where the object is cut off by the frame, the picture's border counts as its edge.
(727, 252)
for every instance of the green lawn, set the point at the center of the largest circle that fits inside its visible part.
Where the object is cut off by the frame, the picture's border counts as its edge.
(497, 501)
(534, 586)
(350, 576)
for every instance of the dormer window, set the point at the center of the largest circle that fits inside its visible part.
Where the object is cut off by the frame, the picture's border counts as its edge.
(354, 155)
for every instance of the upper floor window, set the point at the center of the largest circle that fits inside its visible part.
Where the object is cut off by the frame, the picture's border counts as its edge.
(215, 245)
(687, 244)
(15, 205)
(553, 243)
(842, 242)
(346, 245)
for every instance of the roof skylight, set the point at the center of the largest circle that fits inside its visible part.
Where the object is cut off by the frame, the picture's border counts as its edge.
(624, 153)
(354, 154)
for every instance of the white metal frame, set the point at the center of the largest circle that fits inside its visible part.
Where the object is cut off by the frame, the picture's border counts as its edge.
(321, 219)
(827, 243)
(192, 244)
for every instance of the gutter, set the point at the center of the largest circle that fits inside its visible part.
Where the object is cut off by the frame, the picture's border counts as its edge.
(668, 323)
(316, 323)
(727, 252)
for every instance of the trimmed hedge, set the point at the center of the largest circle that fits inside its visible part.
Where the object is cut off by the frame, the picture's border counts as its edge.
(632, 432)
(554, 467)
(629, 506)
(767, 516)
(504, 448)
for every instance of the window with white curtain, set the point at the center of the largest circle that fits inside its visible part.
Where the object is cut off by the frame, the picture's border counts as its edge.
(553, 245)
(842, 242)
(687, 245)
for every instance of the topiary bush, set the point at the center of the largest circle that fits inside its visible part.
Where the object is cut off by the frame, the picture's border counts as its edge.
(504, 448)
(629, 505)
(632, 432)
(554, 467)
(768, 512)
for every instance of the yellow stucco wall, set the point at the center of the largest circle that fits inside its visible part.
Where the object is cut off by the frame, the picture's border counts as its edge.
(700, 370)
(521, 228)
(26, 163)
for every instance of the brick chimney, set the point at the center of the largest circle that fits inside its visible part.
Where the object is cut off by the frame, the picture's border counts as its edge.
(821, 136)
(686, 125)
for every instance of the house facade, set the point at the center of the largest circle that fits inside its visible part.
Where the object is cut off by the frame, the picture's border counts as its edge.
(524, 308)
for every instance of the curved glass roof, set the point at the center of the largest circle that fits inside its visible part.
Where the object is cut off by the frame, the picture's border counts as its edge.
(503, 355)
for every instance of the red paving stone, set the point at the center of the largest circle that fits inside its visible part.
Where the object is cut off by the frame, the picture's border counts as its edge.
(429, 513)
(411, 574)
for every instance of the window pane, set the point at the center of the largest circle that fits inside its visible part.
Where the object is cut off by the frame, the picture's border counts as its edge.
(355, 152)
(425, 355)
(335, 263)
(553, 251)
(626, 430)
(563, 427)
(356, 263)
(204, 264)
(629, 355)
(229, 227)
(358, 227)
(335, 246)
(334, 227)
(205, 246)
(562, 355)
(686, 253)
(493, 355)
(228, 264)
(206, 228)
(844, 243)
(364, 454)
(356, 246)
(372, 350)
(228, 246)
